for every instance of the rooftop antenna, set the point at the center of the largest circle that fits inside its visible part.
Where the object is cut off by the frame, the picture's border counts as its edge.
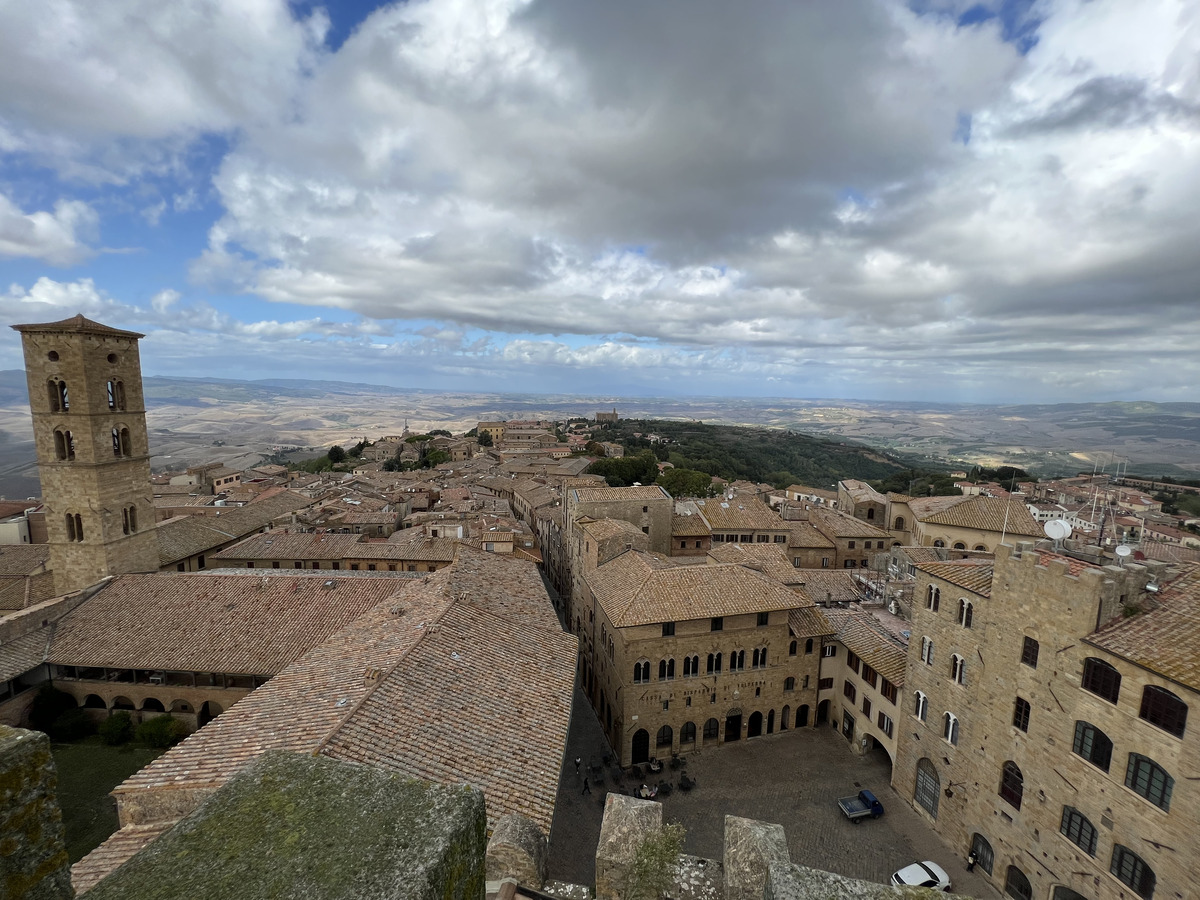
(1122, 552)
(1058, 531)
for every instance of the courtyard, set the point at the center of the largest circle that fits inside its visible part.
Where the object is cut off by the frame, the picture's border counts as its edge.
(792, 778)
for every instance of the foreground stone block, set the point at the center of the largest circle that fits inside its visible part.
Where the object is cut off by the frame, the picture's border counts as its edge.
(627, 821)
(787, 881)
(750, 848)
(300, 826)
(518, 849)
(33, 858)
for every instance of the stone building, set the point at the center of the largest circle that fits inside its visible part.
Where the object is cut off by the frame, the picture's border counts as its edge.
(1045, 722)
(859, 499)
(855, 541)
(89, 428)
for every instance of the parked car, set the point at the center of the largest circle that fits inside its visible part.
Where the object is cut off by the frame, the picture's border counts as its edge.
(922, 874)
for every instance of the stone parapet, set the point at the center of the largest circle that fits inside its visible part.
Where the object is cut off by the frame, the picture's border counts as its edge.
(33, 858)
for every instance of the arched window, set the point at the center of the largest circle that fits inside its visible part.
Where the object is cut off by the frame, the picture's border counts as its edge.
(808, 645)
(927, 651)
(665, 736)
(64, 444)
(1133, 871)
(981, 547)
(1093, 745)
(922, 706)
(1077, 829)
(1017, 885)
(985, 857)
(870, 513)
(928, 788)
(687, 734)
(691, 666)
(60, 400)
(116, 395)
(1101, 679)
(789, 683)
(712, 730)
(1012, 784)
(666, 669)
(958, 669)
(899, 525)
(950, 728)
(714, 663)
(641, 671)
(737, 660)
(74, 527)
(1146, 777)
(966, 612)
(959, 545)
(792, 649)
(1162, 708)
(785, 718)
(939, 543)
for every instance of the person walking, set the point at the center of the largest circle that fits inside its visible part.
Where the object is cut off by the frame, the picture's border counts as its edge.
(971, 860)
(587, 788)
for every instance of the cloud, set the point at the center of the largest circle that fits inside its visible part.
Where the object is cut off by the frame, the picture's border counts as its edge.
(58, 238)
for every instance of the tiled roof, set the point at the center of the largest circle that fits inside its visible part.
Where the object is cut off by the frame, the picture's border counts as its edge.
(23, 559)
(120, 847)
(180, 538)
(860, 491)
(24, 653)
(304, 546)
(860, 632)
(603, 529)
(765, 558)
(77, 325)
(832, 523)
(984, 514)
(740, 514)
(917, 554)
(1165, 639)
(804, 537)
(689, 526)
(973, 575)
(809, 621)
(606, 494)
(239, 623)
(1074, 566)
(637, 589)
(830, 585)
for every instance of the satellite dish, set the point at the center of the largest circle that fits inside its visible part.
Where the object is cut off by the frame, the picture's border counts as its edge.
(1123, 551)
(1057, 529)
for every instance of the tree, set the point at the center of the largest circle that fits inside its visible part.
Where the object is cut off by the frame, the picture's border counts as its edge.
(686, 483)
(655, 864)
(337, 454)
(117, 728)
(442, 431)
(485, 439)
(357, 450)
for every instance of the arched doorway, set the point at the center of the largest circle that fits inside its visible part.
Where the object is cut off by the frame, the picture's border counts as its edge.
(785, 718)
(94, 701)
(641, 746)
(1065, 893)
(181, 706)
(754, 726)
(733, 727)
(823, 712)
(208, 712)
(771, 722)
(802, 716)
(153, 704)
(122, 703)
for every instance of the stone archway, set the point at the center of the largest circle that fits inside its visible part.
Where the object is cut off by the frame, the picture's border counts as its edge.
(641, 746)
(208, 712)
(823, 712)
(733, 726)
(754, 727)
(94, 701)
(802, 716)
(153, 704)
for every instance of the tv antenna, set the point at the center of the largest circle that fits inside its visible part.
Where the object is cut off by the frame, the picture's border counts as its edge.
(1058, 531)
(1123, 552)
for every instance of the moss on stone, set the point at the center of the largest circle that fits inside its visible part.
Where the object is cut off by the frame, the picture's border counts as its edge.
(310, 827)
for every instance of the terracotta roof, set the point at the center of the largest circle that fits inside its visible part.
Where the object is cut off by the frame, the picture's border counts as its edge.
(638, 589)
(804, 537)
(238, 623)
(77, 324)
(689, 526)
(606, 494)
(860, 491)
(974, 575)
(860, 632)
(180, 538)
(832, 523)
(23, 559)
(120, 847)
(25, 652)
(1166, 638)
(765, 558)
(809, 621)
(917, 554)
(740, 514)
(603, 529)
(984, 514)
(830, 585)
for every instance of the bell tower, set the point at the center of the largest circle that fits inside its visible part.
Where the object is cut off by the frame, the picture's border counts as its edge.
(89, 426)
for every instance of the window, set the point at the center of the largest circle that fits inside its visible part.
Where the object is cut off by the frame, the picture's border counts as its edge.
(888, 690)
(762, 539)
(1101, 679)
(737, 660)
(850, 564)
(792, 649)
(1162, 708)
(1021, 714)
(712, 729)
(764, 618)
(74, 527)
(829, 651)
(927, 651)
(933, 598)
(869, 675)
(849, 691)
(928, 787)
(687, 734)
(885, 724)
(641, 672)
(1012, 784)
(808, 646)
(665, 736)
(789, 683)
(64, 444)
(958, 669)
(921, 709)
(985, 857)
(1146, 777)
(852, 661)
(1078, 830)
(717, 623)
(691, 666)
(668, 629)
(1133, 871)
(825, 684)
(1093, 745)
(899, 526)
(824, 562)
(129, 519)
(1017, 885)
(850, 545)
(1029, 652)
(966, 613)
(760, 658)
(666, 669)
(714, 663)
(950, 728)
(866, 708)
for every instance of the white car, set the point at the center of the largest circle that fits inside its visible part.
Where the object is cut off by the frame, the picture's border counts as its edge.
(923, 874)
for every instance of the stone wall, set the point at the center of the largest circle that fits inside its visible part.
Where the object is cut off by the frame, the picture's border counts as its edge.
(33, 859)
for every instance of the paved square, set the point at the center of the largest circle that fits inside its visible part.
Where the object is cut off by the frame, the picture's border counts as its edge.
(792, 778)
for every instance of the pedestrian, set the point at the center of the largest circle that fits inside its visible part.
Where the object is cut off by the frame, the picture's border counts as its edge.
(971, 860)
(578, 761)
(587, 788)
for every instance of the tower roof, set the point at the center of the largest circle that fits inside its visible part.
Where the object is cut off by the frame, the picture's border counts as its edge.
(77, 324)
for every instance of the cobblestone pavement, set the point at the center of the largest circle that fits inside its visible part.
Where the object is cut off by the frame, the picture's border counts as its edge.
(792, 778)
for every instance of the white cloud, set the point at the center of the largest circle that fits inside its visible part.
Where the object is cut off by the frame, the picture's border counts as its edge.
(58, 237)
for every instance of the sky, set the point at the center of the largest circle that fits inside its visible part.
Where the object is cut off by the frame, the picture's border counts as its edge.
(936, 200)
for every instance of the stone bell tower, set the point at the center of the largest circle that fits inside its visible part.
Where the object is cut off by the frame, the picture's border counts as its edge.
(89, 425)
